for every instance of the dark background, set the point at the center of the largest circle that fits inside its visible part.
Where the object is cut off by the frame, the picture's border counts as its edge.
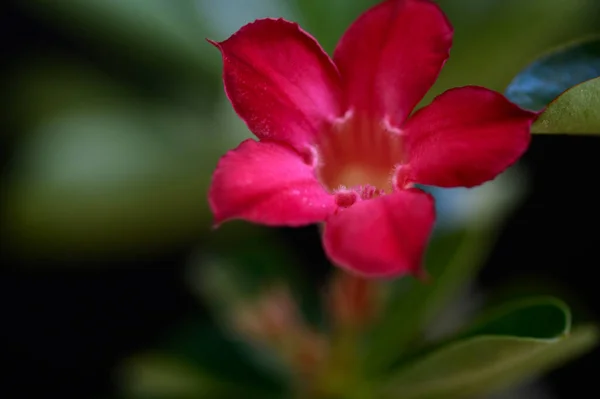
(68, 319)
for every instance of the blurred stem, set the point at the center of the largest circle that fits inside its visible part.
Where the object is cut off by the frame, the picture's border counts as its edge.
(353, 304)
(343, 377)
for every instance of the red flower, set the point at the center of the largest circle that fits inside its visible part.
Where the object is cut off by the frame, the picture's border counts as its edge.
(336, 139)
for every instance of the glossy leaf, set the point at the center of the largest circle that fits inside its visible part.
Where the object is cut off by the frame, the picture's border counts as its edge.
(512, 343)
(541, 318)
(485, 364)
(577, 111)
(452, 260)
(554, 73)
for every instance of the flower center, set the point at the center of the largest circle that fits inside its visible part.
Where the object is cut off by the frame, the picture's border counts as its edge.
(359, 154)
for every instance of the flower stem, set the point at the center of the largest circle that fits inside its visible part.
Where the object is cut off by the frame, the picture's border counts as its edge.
(353, 304)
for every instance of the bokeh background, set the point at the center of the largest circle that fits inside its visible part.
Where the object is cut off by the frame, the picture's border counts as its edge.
(114, 117)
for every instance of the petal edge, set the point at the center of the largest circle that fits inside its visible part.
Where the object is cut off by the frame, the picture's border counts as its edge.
(280, 81)
(267, 183)
(383, 237)
(465, 137)
(391, 56)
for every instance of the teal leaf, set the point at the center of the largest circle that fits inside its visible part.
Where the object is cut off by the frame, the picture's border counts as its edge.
(554, 73)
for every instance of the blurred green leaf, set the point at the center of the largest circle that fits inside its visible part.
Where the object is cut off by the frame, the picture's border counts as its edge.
(258, 283)
(534, 284)
(495, 39)
(554, 73)
(225, 359)
(261, 260)
(513, 343)
(197, 362)
(485, 364)
(224, 17)
(541, 317)
(453, 258)
(576, 111)
(161, 376)
(328, 20)
(165, 33)
(101, 169)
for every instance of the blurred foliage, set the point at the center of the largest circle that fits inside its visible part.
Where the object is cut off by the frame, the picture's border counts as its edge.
(115, 146)
(452, 260)
(114, 149)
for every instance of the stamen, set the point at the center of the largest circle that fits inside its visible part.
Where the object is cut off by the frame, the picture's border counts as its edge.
(367, 192)
(346, 198)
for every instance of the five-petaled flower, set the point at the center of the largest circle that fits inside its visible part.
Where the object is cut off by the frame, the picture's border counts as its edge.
(337, 141)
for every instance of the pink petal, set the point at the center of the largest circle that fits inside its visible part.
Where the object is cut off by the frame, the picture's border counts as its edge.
(267, 183)
(381, 237)
(280, 81)
(391, 56)
(465, 137)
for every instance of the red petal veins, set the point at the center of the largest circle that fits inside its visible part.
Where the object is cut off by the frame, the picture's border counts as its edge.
(280, 81)
(382, 237)
(391, 56)
(268, 183)
(465, 137)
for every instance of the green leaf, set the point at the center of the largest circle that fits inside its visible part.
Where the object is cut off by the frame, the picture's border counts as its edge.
(577, 111)
(512, 343)
(554, 73)
(452, 260)
(541, 317)
(485, 364)
(158, 375)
